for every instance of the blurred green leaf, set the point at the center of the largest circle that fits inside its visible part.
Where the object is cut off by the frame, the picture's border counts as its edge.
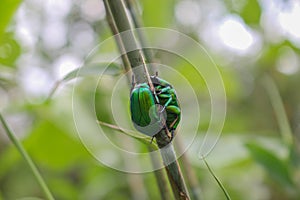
(8, 158)
(103, 186)
(7, 10)
(295, 155)
(64, 188)
(20, 183)
(160, 14)
(274, 166)
(50, 146)
(251, 12)
(10, 50)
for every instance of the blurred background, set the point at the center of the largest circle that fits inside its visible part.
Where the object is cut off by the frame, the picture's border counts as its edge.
(254, 43)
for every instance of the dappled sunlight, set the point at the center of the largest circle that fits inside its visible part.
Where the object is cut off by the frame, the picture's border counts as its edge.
(288, 62)
(56, 9)
(93, 10)
(35, 81)
(54, 35)
(188, 12)
(234, 34)
(79, 31)
(281, 20)
(289, 21)
(65, 64)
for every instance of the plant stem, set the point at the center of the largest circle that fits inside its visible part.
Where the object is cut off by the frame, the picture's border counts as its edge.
(188, 171)
(276, 101)
(160, 177)
(131, 46)
(119, 42)
(136, 58)
(217, 179)
(27, 159)
(136, 18)
(171, 165)
(159, 174)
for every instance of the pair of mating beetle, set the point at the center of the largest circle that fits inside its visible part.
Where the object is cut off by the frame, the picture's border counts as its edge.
(151, 111)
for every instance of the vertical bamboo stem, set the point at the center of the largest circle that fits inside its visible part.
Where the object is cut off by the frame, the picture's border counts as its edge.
(186, 166)
(160, 178)
(189, 172)
(159, 174)
(136, 18)
(171, 165)
(137, 192)
(136, 58)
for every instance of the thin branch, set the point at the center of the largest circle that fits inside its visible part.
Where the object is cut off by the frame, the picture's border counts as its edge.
(132, 134)
(27, 159)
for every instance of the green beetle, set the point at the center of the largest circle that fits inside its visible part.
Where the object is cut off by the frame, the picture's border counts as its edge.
(145, 111)
(168, 99)
(152, 111)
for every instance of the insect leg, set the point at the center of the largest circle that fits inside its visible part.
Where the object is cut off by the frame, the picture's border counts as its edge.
(167, 103)
(171, 125)
(172, 134)
(164, 90)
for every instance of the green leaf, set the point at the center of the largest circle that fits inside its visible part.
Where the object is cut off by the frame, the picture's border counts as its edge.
(10, 50)
(251, 12)
(8, 158)
(7, 9)
(64, 187)
(53, 147)
(158, 16)
(295, 155)
(274, 166)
